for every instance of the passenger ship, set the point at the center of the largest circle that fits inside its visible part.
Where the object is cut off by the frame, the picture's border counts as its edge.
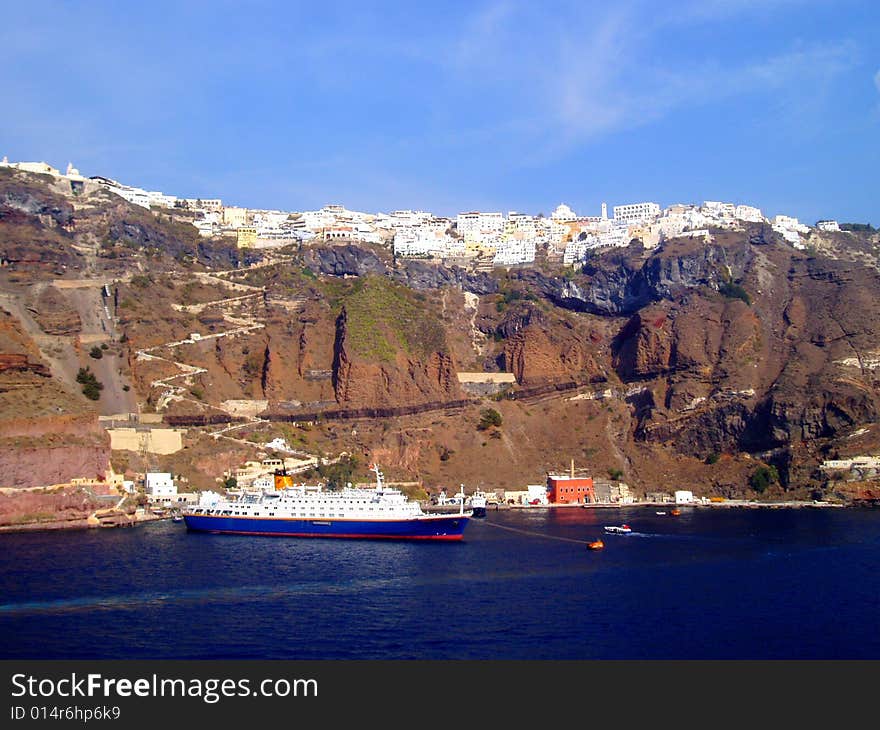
(292, 510)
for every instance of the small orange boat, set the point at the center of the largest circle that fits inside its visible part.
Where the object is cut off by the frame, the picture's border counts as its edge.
(675, 512)
(595, 545)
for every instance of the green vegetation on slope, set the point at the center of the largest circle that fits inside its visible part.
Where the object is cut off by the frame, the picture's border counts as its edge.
(383, 318)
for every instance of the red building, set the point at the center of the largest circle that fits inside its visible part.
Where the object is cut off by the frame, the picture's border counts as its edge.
(570, 490)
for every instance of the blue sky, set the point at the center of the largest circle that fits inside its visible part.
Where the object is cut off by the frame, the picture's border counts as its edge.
(451, 106)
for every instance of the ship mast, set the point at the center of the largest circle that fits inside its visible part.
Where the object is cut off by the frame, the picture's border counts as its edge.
(375, 468)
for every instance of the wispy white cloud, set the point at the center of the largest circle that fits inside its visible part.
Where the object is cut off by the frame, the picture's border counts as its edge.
(597, 73)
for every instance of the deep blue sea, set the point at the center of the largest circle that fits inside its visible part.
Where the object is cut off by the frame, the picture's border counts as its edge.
(713, 583)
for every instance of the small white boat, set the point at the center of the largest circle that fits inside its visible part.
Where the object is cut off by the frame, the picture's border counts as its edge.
(618, 529)
(659, 513)
(477, 503)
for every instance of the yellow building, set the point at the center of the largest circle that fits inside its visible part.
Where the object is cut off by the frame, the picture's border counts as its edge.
(246, 237)
(475, 248)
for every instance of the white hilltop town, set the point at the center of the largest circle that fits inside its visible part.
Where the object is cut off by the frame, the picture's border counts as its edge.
(484, 239)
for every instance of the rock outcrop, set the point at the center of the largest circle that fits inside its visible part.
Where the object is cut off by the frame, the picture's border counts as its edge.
(343, 260)
(353, 260)
(48, 435)
(539, 349)
(399, 379)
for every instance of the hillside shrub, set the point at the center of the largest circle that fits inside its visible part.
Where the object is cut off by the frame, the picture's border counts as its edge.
(734, 291)
(91, 388)
(763, 477)
(489, 418)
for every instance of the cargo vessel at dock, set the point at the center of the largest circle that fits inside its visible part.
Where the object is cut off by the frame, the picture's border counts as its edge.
(298, 510)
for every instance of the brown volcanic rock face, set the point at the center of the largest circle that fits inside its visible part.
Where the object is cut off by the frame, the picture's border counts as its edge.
(536, 354)
(52, 459)
(54, 314)
(34, 240)
(794, 366)
(15, 344)
(300, 355)
(47, 434)
(645, 346)
(544, 346)
(70, 505)
(21, 363)
(404, 381)
(391, 350)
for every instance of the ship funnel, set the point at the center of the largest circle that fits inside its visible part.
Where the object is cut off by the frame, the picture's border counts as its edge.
(283, 480)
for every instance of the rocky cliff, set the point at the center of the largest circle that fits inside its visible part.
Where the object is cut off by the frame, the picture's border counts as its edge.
(658, 363)
(390, 351)
(48, 435)
(539, 347)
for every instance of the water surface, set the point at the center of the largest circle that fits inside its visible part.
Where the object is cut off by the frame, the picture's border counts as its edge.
(713, 583)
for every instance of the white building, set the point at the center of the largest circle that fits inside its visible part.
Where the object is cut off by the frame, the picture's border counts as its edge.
(511, 252)
(614, 237)
(161, 200)
(41, 168)
(790, 229)
(264, 482)
(204, 203)
(636, 212)
(477, 226)
(684, 496)
(828, 225)
(696, 233)
(537, 492)
(408, 218)
(563, 214)
(160, 487)
(749, 213)
(423, 242)
(793, 224)
(576, 250)
(136, 196)
(855, 462)
(717, 209)
(235, 217)
(521, 225)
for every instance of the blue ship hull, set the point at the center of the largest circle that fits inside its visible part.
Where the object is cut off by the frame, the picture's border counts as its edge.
(446, 527)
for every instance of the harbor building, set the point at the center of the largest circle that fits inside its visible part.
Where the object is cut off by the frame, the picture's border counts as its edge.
(160, 487)
(570, 489)
(537, 494)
